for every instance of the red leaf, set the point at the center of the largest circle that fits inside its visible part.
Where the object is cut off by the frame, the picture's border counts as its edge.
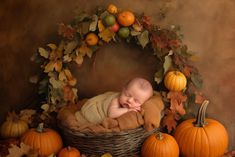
(187, 71)
(170, 120)
(146, 21)
(66, 31)
(174, 43)
(158, 41)
(177, 100)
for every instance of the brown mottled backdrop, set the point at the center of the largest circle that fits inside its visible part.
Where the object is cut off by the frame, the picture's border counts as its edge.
(209, 28)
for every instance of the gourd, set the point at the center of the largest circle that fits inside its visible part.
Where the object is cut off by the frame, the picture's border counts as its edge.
(44, 140)
(13, 127)
(175, 81)
(202, 137)
(69, 152)
(160, 145)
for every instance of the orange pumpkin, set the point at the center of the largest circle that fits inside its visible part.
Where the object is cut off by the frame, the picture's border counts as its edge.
(13, 127)
(175, 81)
(44, 140)
(69, 152)
(201, 137)
(160, 145)
(126, 18)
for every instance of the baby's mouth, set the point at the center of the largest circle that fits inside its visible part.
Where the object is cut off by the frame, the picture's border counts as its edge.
(125, 105)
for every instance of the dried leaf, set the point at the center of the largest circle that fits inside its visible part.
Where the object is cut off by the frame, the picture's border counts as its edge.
(199, 98)
(49, 67)
(135, 33)
(78, 59)
(143, 38)
(27, 115)
(177, 100)
(67, 58)
(146, 21)
(16, 151)
(84, 50)
(34, 79)
(45, 107)
(44, 53)
(58, 65)
(56, 83)
(187, 71)
(52, 46)
(70, 47)
(169, 120)
(62, 76)
(167, 63)
(94, 22)
(66, 31)
(100, 26)
(107, 35)
(72, 81)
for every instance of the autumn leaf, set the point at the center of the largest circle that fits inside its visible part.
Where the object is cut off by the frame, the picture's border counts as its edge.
(52, 46)
(45, 107)
(55, 83)
(143, 38)
(174, 43)
(159, 75)
(187, 71)
(27, 115)
(100, 26)
(146, 21)
(197, 80)
(94, 22)
(78, 59)
(49, 67)
(177, 100)
(67, 58)
(107, 35)
(44, 53)
(70, 79)
(169, 121)
(167, 63)
(158, 42)
(199, 98)
(70, 47)
(66, 31)
(16, 151)
(84, 50)
(58, 65)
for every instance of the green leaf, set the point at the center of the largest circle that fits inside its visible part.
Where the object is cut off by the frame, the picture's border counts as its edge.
(143, 38)
(44, 53)
(56, 83)
(167, 63)
(93, 24)
(83, 28)
(158, 77)
(197, 80)
(135, 33)
(70, 47)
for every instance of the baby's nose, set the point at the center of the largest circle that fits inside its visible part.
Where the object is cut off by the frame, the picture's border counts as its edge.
(130, 99)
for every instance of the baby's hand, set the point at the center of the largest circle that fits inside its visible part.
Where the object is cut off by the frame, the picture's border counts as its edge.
(136, 109)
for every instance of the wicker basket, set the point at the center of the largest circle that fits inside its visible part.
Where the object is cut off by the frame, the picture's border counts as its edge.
(119, 144)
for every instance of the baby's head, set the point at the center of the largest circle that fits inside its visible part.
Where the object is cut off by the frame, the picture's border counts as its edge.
(135, 93)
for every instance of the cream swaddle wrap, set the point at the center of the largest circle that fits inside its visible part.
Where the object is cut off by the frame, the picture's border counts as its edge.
(95, 109)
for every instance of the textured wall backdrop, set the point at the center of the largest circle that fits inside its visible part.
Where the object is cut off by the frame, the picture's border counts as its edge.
(208, 27)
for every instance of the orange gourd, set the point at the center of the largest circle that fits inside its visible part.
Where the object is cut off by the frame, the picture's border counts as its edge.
(201, 137)
(160, 145)
(126, 18)
(44, 140)
(13, 127)
(175, 81)
(69, 152)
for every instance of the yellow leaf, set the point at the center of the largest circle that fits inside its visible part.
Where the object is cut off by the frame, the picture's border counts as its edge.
(56, 83)
(15, 151)
(45, 107)
(84, 50)
(62, 76)
(70, 47)
(67, 73)
(44, 53)
(67, 58)
(78, 59)
(106, 35)
(52, 46)
(58, 66)
(100, 26)
(49, 67)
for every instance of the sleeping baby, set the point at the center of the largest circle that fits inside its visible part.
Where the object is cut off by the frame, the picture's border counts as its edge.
(114, 104)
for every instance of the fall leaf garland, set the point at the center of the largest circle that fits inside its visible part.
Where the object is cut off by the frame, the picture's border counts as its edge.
(57, 82)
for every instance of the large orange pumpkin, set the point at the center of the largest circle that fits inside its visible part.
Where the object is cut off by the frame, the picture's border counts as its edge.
(175, 81)
(69, 152)
(13, 127)
(44, 140)
(126, 18)
(160, 145)
(201, 137)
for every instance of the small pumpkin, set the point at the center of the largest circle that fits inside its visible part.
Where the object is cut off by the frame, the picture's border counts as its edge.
(69, 152)
(160, 145)
(44, 140)
(13, 127)
(175, 81)
(201, 136)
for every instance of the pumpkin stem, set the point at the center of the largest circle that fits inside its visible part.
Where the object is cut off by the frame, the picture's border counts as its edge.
(159, 135)
(201, 115)
(40, 128)
(69, 148)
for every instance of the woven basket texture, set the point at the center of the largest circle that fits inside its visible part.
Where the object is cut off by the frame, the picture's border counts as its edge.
(119, 144)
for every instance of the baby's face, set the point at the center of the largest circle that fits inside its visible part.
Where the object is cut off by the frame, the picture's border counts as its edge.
(133, 96)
